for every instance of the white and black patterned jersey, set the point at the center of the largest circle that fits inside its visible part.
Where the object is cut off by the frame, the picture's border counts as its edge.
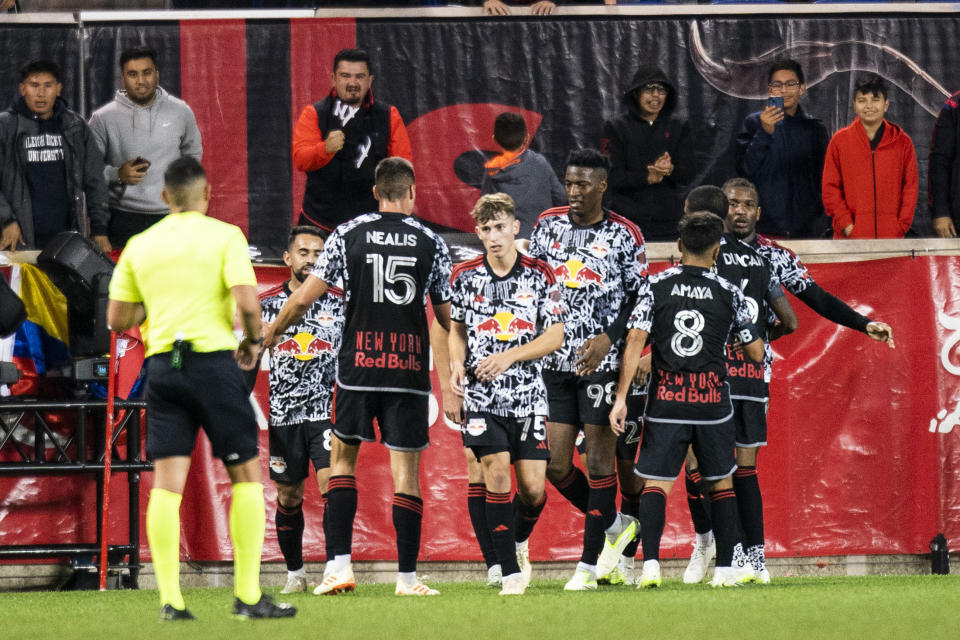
(389, 263)
(743, 266)
(501, 313)
(598, 268)
(690, 313)
(303, 366)
(788, 268)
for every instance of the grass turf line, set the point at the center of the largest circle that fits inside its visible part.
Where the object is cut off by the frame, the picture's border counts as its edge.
(914, 607)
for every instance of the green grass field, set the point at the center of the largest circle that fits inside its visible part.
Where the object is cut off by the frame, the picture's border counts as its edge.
(874, 607)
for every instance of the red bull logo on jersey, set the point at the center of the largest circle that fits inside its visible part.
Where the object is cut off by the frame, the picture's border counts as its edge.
(599, 249)
(325, 319)
(524, 297)
(574, 274)
(505, 327)
(303, 346)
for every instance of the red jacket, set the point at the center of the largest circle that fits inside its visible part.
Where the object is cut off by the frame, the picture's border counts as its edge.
(875, 190)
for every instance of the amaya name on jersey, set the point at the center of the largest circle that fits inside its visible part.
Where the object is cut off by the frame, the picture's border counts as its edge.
(688, 337)
(597, 267)
(501, 313)
(303, 366)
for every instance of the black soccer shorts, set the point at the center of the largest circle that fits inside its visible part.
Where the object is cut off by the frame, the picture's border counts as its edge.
(663, 448)
(401, 417)
(750, 421)
(580, 400)
(524, 438)
(208, 389)
(294, 446)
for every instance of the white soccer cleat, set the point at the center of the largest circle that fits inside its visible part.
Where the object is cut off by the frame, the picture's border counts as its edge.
(725, 577)
(335, 582)
(762, 576)
(295, 584)
(523, 561)
(615, 542)
(581, 581)
(415, 589)
(494, 576)
(700, 559)
(514, 585)
(650, 577)
(626, 569)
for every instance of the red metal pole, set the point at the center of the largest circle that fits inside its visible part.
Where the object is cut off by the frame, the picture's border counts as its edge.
(107, 458)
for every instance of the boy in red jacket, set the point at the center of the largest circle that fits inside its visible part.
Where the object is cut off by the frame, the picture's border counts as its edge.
(870, 180)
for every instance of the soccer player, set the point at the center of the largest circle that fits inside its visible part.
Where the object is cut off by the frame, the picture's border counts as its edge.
(389, 263)
(189, 273)
(303, 370)
(743, 211)
(599, 260)
(688, 312)
(505, 314)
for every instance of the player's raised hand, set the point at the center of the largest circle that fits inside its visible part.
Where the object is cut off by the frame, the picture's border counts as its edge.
(592, 352)
(618, 416)
(881, 332)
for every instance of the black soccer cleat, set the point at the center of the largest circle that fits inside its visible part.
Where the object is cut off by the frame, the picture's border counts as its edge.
(266, 608)
(170, 614)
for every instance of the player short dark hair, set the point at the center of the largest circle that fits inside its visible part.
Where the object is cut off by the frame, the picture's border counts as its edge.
(491, 206)
(40, 65)
(707, 197)
(393, 176)
(739, 183)
(700, 231)
(179, 176)
(509, 130)
(306, 230)
(785, 64)
(352, 55)
(135, 53)
(589, 159)
(871, 85)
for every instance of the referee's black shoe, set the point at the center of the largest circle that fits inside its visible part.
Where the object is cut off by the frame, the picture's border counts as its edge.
(266, 608)
(169, 614)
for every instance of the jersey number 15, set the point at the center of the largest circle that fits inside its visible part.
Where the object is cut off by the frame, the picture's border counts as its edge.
(397, 287)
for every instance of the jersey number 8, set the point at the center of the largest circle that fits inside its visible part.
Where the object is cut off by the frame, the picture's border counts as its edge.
(687, 341)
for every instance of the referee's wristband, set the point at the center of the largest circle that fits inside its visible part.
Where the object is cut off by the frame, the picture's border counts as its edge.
(252, 341)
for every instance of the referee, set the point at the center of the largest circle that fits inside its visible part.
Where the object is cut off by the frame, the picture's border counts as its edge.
(188, 274)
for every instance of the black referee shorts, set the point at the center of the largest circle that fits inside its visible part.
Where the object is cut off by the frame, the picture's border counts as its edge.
(208, 390)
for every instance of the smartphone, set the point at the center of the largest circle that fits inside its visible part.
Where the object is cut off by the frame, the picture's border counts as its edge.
(775, 101)
(141, 160)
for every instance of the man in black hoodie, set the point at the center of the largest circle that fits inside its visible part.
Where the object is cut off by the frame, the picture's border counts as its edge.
(51, 170)
(651, 153)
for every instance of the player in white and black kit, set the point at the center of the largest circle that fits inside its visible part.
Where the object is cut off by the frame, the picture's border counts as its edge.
(506, 313)
(689, 313)
(389, 264)
(599, 259)
(742, 212)
(303, 369)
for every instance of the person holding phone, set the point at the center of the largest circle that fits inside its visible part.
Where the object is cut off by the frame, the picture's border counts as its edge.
(142, 127)
(781, 150)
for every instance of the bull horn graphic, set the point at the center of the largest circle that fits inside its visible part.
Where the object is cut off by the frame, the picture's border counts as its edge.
(747, 78)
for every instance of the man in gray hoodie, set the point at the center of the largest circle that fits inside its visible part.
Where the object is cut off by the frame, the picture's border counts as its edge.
(141, 131)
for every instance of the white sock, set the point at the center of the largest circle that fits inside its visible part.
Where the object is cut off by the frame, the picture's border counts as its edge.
(650, 565)
(299, 573)
(339, 562)
(408, 578)
(589, 568)
(705, 539)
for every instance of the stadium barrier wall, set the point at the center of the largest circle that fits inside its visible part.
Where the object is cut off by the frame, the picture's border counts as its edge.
(864, 453)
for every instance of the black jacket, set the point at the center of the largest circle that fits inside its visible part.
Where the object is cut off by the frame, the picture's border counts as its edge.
(84, 168)
(633, 144)
(944, 188)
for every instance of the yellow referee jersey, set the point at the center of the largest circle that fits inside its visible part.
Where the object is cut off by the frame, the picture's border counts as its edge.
(182, 269)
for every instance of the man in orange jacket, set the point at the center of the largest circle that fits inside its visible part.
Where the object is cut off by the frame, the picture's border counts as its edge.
(870, 180)
(340, 139)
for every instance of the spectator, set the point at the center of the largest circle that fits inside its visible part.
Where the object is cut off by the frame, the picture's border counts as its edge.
(51, 174)
(339, 140)
(870, 173)
(142, 127)
(944, 199)
(651, 154)
(522, 173)
(781, 151)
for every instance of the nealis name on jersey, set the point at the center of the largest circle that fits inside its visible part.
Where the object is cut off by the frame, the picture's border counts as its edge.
(742, 259)
(392, 239)
(690, 291)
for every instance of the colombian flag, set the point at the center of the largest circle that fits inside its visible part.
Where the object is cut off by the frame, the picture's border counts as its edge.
(43, 340)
